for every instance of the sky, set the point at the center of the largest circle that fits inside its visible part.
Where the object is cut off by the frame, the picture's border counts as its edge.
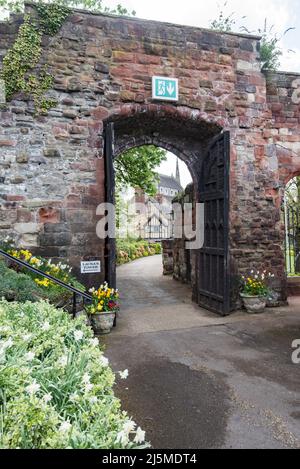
(281, 14)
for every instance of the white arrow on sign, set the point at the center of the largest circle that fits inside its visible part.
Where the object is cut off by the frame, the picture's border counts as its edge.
(170, 89)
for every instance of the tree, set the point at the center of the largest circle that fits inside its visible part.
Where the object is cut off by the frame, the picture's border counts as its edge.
(137, 168)
(17, 6)
(270, 50)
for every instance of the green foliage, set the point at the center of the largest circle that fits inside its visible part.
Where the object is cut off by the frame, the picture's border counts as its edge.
(22, 284)
(132, 249)
(56, 385)
(18, 287)
(225, 22)
(97, 6)
(270, 50)
(20, 60)
(255, 284)
(52, 17)
(137, 168)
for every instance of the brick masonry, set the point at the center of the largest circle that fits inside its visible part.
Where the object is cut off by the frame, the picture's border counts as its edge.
(52, 169)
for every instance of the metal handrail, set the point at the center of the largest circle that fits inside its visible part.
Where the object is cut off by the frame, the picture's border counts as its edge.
(75, 291)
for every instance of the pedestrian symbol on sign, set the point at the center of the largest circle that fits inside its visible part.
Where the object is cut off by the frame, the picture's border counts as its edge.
(165, 89)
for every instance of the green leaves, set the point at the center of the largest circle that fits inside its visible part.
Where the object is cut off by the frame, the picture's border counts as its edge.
(137, 168)
(55, 387)
(23, 58)
(52, 17)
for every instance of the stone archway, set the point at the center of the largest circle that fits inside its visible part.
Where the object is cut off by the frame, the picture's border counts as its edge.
(205, 150)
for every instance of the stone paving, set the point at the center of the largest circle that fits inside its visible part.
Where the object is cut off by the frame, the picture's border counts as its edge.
(200, 381)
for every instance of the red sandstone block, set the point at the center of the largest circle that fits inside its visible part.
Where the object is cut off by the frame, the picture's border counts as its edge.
(24, 216)
(15, 198)
(148, 59)
(7, 143)
(100, 113)
(259, 151)
(123, 57)
(48, 215)
(277, 107)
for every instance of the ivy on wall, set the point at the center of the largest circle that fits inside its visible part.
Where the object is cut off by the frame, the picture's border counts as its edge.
(52, 17)
(21, 71)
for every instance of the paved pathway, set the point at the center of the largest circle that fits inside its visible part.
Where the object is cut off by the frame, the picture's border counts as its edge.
(200, 381)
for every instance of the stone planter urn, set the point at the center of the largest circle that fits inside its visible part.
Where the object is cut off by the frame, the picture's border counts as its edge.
(102, 323)
(254, 304)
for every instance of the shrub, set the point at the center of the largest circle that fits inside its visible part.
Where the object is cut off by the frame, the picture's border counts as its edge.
(18, 287)
(56, 385)
(130, 249)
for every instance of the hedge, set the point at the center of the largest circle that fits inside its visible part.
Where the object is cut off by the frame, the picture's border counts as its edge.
(129, 250)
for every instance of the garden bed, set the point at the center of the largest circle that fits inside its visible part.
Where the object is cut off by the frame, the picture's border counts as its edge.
(129, 250)
(56, 385)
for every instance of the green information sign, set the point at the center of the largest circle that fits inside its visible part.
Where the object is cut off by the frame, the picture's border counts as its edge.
(165, 89)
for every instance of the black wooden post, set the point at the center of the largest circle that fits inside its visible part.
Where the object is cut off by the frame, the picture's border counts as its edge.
(110, 242)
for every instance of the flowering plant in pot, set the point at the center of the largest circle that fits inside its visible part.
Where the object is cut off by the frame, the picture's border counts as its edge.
(103, 309)
(255, 291)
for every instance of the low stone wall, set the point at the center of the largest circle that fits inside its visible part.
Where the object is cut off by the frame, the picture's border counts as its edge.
(177, 260)
(168, 258)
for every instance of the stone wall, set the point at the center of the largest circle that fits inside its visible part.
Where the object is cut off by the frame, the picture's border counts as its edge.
(167, 256)
(177, 260)
(52, 169)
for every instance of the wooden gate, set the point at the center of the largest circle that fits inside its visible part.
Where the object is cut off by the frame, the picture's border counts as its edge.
(213, 261)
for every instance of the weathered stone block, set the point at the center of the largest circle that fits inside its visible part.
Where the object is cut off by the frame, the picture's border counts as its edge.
(52, 153)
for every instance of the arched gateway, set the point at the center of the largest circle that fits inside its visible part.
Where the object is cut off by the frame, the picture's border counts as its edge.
(204, 147)
(56, 168)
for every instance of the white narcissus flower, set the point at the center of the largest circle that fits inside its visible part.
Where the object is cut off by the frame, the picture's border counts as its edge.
(86, 378)
(140, 436)
(88, 387)
(74, 397)
(26, 337)
(7, 344)
(94, 342)
(65, 427)
(122, 438)
(29, 356)
(78, 335)
(93, 400)
(63, 361)
(46, 326)
(33, 388)
(47, 398)
(124, 374)
(129, 426)
(104, 361)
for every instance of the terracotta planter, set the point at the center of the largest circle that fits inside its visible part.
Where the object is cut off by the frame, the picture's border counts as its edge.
(102, 323)
(254, 304)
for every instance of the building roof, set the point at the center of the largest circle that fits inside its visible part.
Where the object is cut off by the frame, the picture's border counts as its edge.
(170, 182)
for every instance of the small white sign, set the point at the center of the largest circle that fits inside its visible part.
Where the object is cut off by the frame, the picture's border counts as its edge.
(165, 89)
(91, 267)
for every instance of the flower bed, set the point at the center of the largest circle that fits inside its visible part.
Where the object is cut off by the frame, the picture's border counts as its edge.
(130, 250)
(46, 288)
(56, 385)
